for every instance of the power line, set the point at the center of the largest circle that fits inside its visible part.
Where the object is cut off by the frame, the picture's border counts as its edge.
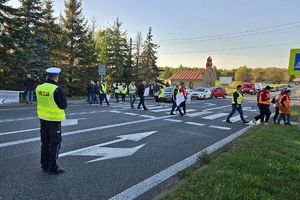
(249, 31)
(230, 49)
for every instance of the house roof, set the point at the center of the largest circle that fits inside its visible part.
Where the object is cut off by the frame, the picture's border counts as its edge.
(188, 74)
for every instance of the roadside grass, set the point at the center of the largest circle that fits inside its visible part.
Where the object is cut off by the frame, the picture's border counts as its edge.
(263, 164)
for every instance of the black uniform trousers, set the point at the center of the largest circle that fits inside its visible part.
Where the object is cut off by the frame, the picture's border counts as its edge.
(51, 139)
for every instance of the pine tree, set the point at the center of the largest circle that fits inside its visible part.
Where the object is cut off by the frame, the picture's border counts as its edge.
(149, 69)
(137, 56)
(76, 44)
(10, 74)
(34, 51)
(117, 52)
(53, 33)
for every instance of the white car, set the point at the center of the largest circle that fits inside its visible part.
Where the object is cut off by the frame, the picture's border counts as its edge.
(201, 93)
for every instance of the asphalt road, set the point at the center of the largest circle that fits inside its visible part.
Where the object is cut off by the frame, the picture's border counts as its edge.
(99, 164)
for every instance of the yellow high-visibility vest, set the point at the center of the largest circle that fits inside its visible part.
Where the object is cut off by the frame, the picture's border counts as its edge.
(239, 99)
(132, 89)
(124, 91)
(162, 93)
(104, 88)
(46, 106)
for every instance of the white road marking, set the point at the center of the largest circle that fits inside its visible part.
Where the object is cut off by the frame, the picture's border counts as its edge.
(148, 116)
(133, 137)
(160, 110)
(6, 144)
(173, 120)
(144, 186)
(217, 108)
(199, 113)
(220, 127)
(209, 104)
(195, 123)
(215, 116)
(18, 119)
(235, 118)
(68, 122)
(115, 111)
(127, 113)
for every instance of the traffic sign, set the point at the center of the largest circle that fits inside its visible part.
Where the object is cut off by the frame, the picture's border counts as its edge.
(102, 69)
(294, 64)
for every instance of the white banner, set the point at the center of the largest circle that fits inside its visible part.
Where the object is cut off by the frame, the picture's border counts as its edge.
(146, 93)
(179, 99)
(108, 97)
(7, 96)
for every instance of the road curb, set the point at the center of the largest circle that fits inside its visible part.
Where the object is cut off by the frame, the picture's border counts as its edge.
(142, 187)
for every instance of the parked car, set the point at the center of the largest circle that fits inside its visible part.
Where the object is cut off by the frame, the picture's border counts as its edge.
(201, 93)
(168, 94)
(249, 88)
(218, 92)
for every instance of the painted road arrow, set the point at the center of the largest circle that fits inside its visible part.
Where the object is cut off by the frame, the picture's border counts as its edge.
(108, 152)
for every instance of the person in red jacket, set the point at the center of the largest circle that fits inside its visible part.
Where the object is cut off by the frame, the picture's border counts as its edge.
(183, 91)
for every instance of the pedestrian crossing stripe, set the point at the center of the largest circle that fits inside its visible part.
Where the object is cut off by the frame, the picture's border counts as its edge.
(235, 118)
(215, 116)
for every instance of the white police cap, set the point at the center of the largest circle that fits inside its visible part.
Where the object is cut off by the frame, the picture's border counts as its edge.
(53, 70)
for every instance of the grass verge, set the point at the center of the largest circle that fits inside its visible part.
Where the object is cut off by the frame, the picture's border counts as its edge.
(264, 164)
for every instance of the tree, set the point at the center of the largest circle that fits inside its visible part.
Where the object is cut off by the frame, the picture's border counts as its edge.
(243, 74)
(149, 68)
(258, 75)
(77, 46)
(53, 33)
(137, 56)
(33, 46)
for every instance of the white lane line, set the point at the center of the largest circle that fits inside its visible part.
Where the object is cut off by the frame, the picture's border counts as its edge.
(195, 123)
(147, 116)
(199, 113)
(160, 110)
(209, 104)
(127, 113)
(215, 116)
(173, 120)
(18, 119)
(220, 127)
(68, 122)
(6, 144)
(115, 111)
(217, 108)
(144, 186)
(235, 118)
(188, 111)
(155, 107)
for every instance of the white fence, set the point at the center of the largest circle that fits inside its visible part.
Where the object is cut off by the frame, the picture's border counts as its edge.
(8, 96)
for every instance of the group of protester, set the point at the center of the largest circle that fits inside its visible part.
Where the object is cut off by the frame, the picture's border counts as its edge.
(281, 103)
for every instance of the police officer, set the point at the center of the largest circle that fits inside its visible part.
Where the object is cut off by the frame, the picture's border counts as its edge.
(103, 93)
(51, 103)
(237, 100)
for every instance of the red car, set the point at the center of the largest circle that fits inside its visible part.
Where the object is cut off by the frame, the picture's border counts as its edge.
(218, 92)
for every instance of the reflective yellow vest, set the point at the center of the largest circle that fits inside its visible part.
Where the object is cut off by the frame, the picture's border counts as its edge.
(162, 93)
(132, 89)
(117, 90)
(239, 99)
(46, 106)
(104, 88)
(124, 91)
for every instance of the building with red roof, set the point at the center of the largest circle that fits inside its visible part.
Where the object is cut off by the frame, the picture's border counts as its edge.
(197, 77)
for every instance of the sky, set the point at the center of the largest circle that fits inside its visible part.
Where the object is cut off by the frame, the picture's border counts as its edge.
(255, 33)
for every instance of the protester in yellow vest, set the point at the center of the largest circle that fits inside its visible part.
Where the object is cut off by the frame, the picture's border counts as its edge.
(103, 92)
(237, 100)
(161, 94)
(51, 103)
(123, 92)
(132, 91)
